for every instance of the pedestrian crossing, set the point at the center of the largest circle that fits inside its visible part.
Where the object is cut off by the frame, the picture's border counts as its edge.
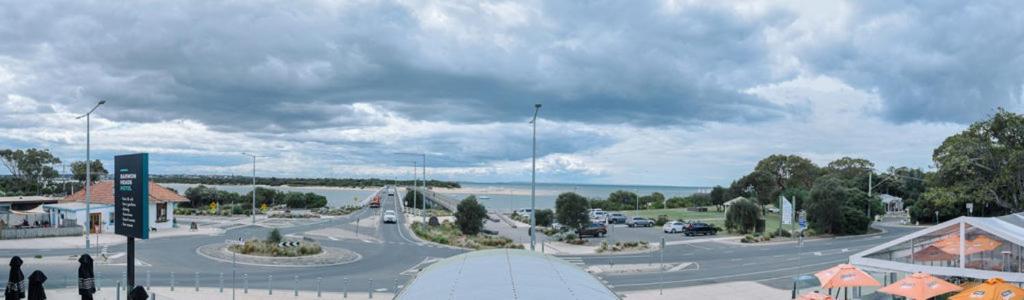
(575, 260)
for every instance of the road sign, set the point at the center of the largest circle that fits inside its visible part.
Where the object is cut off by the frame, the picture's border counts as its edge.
(131, 195)
(970, 208)
(787, 211)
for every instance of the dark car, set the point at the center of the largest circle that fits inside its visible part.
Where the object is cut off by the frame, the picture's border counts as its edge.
(640, 222)
(693, 229)
(616, 218)
(593, 230)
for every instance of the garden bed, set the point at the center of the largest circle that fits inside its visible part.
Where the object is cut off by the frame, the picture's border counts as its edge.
(271, 249)
(447, 233)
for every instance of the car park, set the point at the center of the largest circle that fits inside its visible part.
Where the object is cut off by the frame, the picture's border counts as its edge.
(594, 229)
(616, 218)
(598, 216)
(693, 229)
(639, 222)
(389, 216)
(673, 227)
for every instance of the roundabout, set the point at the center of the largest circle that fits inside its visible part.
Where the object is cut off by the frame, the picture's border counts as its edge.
(329, 256)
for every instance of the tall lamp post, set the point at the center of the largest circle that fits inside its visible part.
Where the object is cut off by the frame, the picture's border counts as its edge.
(253, 185)
(533, 181)
(88, 169)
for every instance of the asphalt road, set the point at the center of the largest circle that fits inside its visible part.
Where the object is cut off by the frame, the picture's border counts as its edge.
(398, 251)
(382, 262)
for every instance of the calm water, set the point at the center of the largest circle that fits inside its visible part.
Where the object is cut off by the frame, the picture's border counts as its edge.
(495, 196)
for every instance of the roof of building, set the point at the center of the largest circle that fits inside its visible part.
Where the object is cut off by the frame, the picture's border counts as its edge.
(505, 274)
(734, 200)
(103, 193)
(28, 199)
(886, 198)
(75, 206)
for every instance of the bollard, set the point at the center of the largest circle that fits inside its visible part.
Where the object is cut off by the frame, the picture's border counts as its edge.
(152, 296)
(172, 281)
(270, 284)
(245, 283)
(318, 279)
(344, 287)
(98, 282)
(124, 275)
(222, 282)
(118, 289)
(396, 286)
(296, 286)
(197, 281)
(542, 247)
(371, 288)
(148, 284)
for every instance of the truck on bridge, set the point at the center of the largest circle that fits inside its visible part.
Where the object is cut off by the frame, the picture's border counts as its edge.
(375, 203)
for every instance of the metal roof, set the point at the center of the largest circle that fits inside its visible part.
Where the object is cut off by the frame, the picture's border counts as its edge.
(505, 274)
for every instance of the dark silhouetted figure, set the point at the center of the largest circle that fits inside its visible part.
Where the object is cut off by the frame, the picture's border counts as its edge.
(35, 286)
(86, 277)
(15, 281)
(138, 293)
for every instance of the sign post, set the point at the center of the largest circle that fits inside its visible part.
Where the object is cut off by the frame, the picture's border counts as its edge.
(131, 203)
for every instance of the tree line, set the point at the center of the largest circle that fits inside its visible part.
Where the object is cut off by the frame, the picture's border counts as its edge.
(275, 181)
(201, 196)
(35, 172)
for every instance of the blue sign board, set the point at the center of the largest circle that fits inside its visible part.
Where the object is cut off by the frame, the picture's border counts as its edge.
(131, 195)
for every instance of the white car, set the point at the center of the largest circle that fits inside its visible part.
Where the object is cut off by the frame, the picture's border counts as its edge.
(599, 217)
(389, 216)
(672, 227)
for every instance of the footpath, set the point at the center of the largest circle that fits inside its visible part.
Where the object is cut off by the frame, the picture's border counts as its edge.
(102, 239)
(164, 293)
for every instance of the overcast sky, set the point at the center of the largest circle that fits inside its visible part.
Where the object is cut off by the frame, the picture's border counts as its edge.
(635, 92)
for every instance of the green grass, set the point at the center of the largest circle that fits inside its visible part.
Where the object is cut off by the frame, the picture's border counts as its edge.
(448, 234)
(711, 216)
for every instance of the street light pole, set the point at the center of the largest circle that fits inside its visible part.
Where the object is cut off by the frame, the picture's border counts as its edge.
(253, 186)
(88, 169)
(424, 204)
(533, 181)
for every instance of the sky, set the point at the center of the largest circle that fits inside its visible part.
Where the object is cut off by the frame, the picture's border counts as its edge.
(685, 93)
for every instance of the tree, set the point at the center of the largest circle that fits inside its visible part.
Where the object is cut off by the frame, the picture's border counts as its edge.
(853, 171)
(626, 198)
(762, 187)
(571, 210)
(409, 200)
(742, 216)
(985, 162)
(274, 236)
(788, 171)
(836, 209)
(97, 171)
(470, 216)
(545, 217)
(718, 194)
(651, 200)
(33, 166)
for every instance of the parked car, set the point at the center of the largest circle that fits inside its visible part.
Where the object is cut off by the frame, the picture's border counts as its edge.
(693, 229)
(594, 229)
(616, 218)
(389, 216)
(770, 209)
(639, 222)
(598, 217)
(673, 227)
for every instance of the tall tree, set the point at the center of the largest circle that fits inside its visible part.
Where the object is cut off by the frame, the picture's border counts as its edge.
(32, 165)
(986, 161)
(97, 171)
(788, 171)
(470, 215)
(571, 210)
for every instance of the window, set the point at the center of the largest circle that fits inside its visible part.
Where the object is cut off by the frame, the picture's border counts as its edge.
(161, 212)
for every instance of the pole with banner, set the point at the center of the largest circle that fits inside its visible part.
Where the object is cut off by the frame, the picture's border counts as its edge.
(131, 203)
(787, 212)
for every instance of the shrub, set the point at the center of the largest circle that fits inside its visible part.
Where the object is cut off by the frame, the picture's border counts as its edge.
(545, 217)
(571, 210)
(781, 232)
(274, 236)
(661, 220)
(742, 216)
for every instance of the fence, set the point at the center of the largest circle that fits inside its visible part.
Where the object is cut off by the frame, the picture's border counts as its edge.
(28, 233)
(242, 284)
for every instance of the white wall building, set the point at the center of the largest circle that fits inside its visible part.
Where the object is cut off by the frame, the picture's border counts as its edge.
(162, 202)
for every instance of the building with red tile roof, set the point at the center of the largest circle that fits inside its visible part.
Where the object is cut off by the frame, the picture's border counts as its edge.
(162, 202)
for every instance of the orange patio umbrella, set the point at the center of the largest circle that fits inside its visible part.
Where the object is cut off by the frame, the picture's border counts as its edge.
(992, 289)
(845, 276)
(815, 296)
(933, 253)
(920, 286)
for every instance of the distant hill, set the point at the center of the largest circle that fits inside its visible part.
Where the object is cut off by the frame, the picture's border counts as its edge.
(274, 181)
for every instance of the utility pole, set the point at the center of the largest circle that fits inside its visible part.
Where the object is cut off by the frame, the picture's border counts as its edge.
(253, 186)
(533, 182)
(415, 183)
(88, 170)
(424, 188)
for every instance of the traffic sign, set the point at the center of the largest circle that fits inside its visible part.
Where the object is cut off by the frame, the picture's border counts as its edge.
(131, 195)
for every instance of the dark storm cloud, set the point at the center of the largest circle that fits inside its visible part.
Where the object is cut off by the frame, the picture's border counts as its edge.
(932, 60)
(245, 65)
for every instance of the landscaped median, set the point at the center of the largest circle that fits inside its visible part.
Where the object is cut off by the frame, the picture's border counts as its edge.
(446, 233)
(276, 251)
